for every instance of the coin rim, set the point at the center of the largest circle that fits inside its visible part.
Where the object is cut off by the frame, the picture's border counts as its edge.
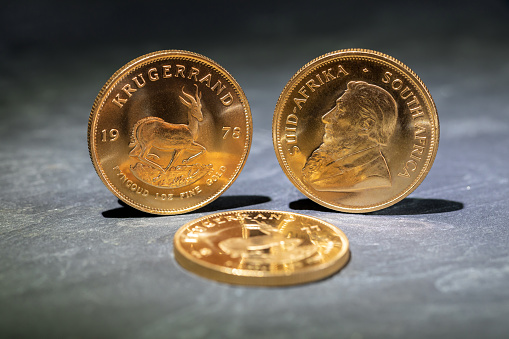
(261, 278)
(140, 62)
(372, 55)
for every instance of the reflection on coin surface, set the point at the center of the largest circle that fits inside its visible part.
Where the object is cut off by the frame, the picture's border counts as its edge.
(169, 132)
(265, 248)
(355, 130)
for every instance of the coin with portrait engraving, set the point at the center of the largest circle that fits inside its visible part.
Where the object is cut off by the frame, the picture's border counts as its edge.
(169, 132)
(355, 130)
(265, 248)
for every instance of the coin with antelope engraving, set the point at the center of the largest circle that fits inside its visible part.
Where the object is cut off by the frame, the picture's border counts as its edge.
(355, 130)
(264, 248)
(169, 132)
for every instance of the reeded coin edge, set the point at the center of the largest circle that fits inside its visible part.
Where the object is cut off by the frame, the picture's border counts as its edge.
(118, 76)
(375, 57)
(261, 278)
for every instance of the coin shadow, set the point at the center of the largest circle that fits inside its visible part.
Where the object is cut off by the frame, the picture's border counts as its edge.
(407, 206)
(127, 212)
(222, 203)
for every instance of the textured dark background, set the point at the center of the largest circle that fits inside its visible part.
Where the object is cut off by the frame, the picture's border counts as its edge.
(75, 263)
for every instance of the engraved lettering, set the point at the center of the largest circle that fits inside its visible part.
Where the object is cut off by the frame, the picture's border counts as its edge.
(404, 91)
(414, 101)
(404, 173)
(190, 193)
(244, 216)
(135, 79)
(302, 91)
(113, 135)
(294, 150)
(121, 175)
(128, 90)
(119, 101)
(194, 231)
(292, 119)
(194, 72)
(152, 74)
(275, 216)
(328, 76)
(299, 102)
(130, 184)
(291, 129)
(420, 139)
(413, 104)
(166, 71)
(312, 85)
(397, 84)
(180, 70)
(341, 70)
(220, 87)
(319, 79)
(387, 77)
(208, 224)
(409, 165)
(419, 129)
(412, 165)
(291, 137)
(236, 132)
(164, 196)
(417, 152)
(311, 229)
(227, 99)
(206, 78)
(215, 175)
(416, 112)
(226, 130)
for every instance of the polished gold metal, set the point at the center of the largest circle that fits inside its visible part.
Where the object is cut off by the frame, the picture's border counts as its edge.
(355, 130)
(169, 132)
(264, 248)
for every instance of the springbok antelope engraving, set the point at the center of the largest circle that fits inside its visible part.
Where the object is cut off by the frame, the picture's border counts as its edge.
(153, 132)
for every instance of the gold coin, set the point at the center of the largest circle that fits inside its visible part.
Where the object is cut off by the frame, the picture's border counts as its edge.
(355, 130)
(265, 248)
(169, 132)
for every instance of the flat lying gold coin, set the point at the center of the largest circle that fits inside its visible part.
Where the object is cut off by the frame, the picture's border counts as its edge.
(265, 248)
(169, 132)
(355, 130)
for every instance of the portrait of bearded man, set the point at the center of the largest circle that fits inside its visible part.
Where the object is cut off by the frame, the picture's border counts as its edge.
(350, 157)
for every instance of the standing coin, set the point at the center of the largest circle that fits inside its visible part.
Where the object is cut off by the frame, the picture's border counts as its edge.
(169, 132)
(355, 130)
(266, 248)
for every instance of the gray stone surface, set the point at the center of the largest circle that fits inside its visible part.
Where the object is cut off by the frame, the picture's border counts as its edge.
(75, 263)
